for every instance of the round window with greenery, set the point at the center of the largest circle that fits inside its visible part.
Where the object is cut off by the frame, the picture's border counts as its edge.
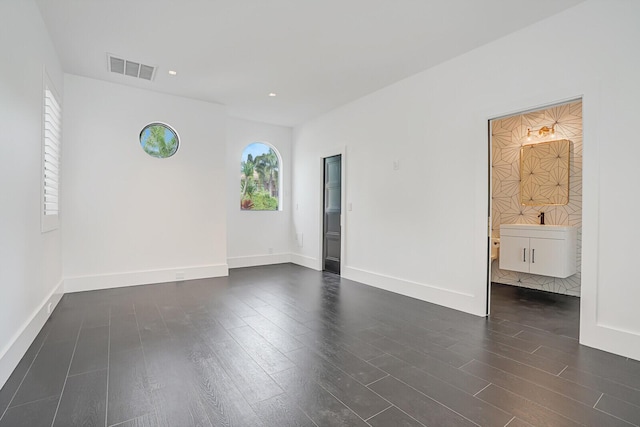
(159, 140)
(259, 178)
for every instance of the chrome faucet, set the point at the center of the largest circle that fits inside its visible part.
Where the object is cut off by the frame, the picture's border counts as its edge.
(541, 216)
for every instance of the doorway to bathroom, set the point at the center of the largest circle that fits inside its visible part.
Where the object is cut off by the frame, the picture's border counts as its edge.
(535, 178)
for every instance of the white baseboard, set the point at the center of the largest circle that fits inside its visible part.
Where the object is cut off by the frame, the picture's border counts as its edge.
(612, 339)
(306, 261)
(433, 294)
(19, 344)
(255, 260)
(132, 278)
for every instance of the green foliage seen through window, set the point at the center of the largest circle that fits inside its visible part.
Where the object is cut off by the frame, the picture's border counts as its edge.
(259, 178)
(159, 140)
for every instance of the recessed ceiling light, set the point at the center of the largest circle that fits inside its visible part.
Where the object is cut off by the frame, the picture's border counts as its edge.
(173, 73)
(272, 94)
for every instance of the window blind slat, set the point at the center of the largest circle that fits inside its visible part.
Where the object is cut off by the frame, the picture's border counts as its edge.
(51, 134)
(49, 176)
(50, 138)
(52, 111)
(50, 99)
(51, 209)
(50, 170)
(51, 150)
(51, 158)
(51, 155)
(52, 115)
(51, 122)
(50, 145)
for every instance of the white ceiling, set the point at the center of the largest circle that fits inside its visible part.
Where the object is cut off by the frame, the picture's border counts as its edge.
(316, 55)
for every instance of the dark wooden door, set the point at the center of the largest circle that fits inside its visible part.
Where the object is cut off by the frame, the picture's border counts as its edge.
(332, 211)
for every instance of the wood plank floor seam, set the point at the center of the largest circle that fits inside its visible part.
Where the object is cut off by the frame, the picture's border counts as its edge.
(378, 413)
(530, 401)
(408, 415)
(67, 377)
(480, 391)
(542, 386)
(505, 357)
(106, 405)
(345, 405)
(34, 401)
(612, 380)
(594, 405)
(466, 364)
(123, 422)
(22, 380)
(438, 402)
(617, 417)
(373, 382)
(87, 372)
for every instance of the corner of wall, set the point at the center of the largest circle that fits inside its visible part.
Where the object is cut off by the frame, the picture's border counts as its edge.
(19, 344)
(306, 261)
(256, 260)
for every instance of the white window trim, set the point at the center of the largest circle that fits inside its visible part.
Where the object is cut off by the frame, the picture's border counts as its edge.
(50, 221)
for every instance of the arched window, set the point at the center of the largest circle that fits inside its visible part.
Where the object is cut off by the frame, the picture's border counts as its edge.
(260, 178)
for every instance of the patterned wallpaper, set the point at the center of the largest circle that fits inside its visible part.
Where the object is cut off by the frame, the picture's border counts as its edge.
(508, 136)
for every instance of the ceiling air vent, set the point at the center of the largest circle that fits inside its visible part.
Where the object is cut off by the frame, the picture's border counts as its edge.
(130, 68)
(146, 72)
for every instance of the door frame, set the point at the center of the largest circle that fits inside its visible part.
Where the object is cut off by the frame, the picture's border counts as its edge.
(489, 213)
(338, 151)
(490, 182)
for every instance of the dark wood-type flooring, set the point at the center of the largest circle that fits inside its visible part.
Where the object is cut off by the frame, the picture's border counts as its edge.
(288, 346)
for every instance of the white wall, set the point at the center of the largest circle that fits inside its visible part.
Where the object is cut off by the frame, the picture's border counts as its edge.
(131, 218)
(252, 234)
(422, 230)
(30, 261)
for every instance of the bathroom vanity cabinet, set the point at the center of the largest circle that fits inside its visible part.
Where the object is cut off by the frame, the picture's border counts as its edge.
(546, 250)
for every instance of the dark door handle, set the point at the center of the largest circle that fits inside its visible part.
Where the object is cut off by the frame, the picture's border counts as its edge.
(524, 254)
(533, 256)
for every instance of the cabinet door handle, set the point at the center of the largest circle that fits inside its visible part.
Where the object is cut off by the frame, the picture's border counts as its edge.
(533, 256)
(524, 254)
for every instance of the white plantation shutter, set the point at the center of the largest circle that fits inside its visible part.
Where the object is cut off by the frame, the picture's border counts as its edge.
(52, 139)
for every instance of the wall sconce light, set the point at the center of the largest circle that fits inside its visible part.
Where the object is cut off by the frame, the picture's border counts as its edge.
(542, 132)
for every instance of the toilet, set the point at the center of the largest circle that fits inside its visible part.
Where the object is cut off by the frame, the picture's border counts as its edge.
(495, 248)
